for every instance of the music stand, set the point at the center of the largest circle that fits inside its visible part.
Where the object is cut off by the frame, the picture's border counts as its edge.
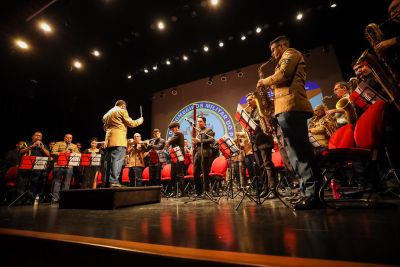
(202, 167)
(229, 150)
(30, 163)
(249, 125)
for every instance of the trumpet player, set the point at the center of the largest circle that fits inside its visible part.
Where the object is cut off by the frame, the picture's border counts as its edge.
(29, 180)
(292, 109)
(135, 152)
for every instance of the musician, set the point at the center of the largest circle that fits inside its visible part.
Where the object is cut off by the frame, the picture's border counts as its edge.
(62, 173)
(322, 126)
(156, 144)
(341, 90)
(13, 157)
(390, 47)
(262, 150)
(29, 180)
(202, 155)
(116, 121)
(188, 156)
(90, 173)
(176, 140)
(135, 152)
(292, 109)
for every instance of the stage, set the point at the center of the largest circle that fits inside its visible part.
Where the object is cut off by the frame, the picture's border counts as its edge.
(200, 233)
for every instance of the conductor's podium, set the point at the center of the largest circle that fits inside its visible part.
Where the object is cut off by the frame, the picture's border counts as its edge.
(109, 198)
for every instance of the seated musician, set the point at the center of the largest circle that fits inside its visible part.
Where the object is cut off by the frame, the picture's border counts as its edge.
(322, 126)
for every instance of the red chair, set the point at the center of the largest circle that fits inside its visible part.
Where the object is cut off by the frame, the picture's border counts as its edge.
(341, 153)
(125, 175)
(189, 178)
(218, 171)
(11, 176)
(146, 175)
(166, 178)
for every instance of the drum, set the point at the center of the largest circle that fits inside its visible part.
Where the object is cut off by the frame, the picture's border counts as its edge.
(227, 147)
(176, 154)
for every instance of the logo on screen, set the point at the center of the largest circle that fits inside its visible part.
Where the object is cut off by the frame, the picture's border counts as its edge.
(218, 119)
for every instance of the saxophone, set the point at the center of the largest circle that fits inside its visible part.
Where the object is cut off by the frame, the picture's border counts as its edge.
(265, 105)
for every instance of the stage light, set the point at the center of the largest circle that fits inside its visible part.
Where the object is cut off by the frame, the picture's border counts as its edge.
(332, 4)
(77, 64)
(223, 78)
(129, 76)
(210, 81)
(205, 48)
(185, 58)
(44, 26)
(174, 91)
(239, 73)
(258, 29)
(161, 25)
(146, 70)
(214, 2)
(95, 53)
(155, 67)
(299, 16)
(221, 44)
(168, 62)
(243, 37)
(21, 44)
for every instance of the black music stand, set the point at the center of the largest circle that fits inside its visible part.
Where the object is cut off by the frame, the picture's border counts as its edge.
(30, 163)
(205, 194)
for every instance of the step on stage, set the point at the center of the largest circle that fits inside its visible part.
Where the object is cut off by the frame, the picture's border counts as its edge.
(109, 198)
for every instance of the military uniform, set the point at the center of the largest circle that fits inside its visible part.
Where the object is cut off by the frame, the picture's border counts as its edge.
(205, 154)
(292, 109)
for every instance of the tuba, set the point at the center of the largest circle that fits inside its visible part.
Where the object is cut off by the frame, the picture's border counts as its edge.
(265, 105)
(345, 103)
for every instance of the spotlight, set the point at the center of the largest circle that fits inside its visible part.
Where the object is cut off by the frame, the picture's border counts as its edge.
(221, 44)
(129, 76)
(205, 48)
(239, 73)
(258, 29)
(95, 53)
(174, 91)
(332, 4)
(185, 58)
(45, 27)
(77, 64)
(161, 25)
(21, 44)
(214, 2)
(210, 81)
(299, 16)
(243, 37)
(168, 62)
(146, 70)
(223, 78)
(155, 67)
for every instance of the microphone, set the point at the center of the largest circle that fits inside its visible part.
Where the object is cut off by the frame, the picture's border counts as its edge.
(189, 121)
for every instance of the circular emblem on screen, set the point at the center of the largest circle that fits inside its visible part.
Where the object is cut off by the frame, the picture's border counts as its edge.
(218, 119)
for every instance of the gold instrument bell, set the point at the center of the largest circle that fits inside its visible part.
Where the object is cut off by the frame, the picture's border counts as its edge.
(345, 103)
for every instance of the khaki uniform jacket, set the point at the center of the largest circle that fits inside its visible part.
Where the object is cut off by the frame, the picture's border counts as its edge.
(116, 121)
(136, 155)
(288, 82)
(62, 147)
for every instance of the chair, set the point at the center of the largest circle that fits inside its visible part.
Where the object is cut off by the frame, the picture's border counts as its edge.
(189, 178)
(341, 153)
(146, 176)
(218, 171)
(125, 176)
(166, 178)
(10, 182)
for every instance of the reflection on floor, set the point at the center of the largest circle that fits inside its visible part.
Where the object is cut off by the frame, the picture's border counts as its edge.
(361, 235)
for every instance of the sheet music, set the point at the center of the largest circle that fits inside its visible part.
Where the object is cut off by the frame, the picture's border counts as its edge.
(40, 163)
(74, 159)
(96, 160)
(313, 141)
(161, 156)
(245, 118)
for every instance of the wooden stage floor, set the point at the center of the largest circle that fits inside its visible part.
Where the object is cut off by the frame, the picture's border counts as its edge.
(270, 231)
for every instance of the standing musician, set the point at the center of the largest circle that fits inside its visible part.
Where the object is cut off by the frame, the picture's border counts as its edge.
(292, 109)
(176, 140)
(116, 122)
(262, 150)
(30, 179)
(155, 144)
(202, 155)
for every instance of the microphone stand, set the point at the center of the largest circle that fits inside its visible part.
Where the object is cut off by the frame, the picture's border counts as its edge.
(206, 194)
